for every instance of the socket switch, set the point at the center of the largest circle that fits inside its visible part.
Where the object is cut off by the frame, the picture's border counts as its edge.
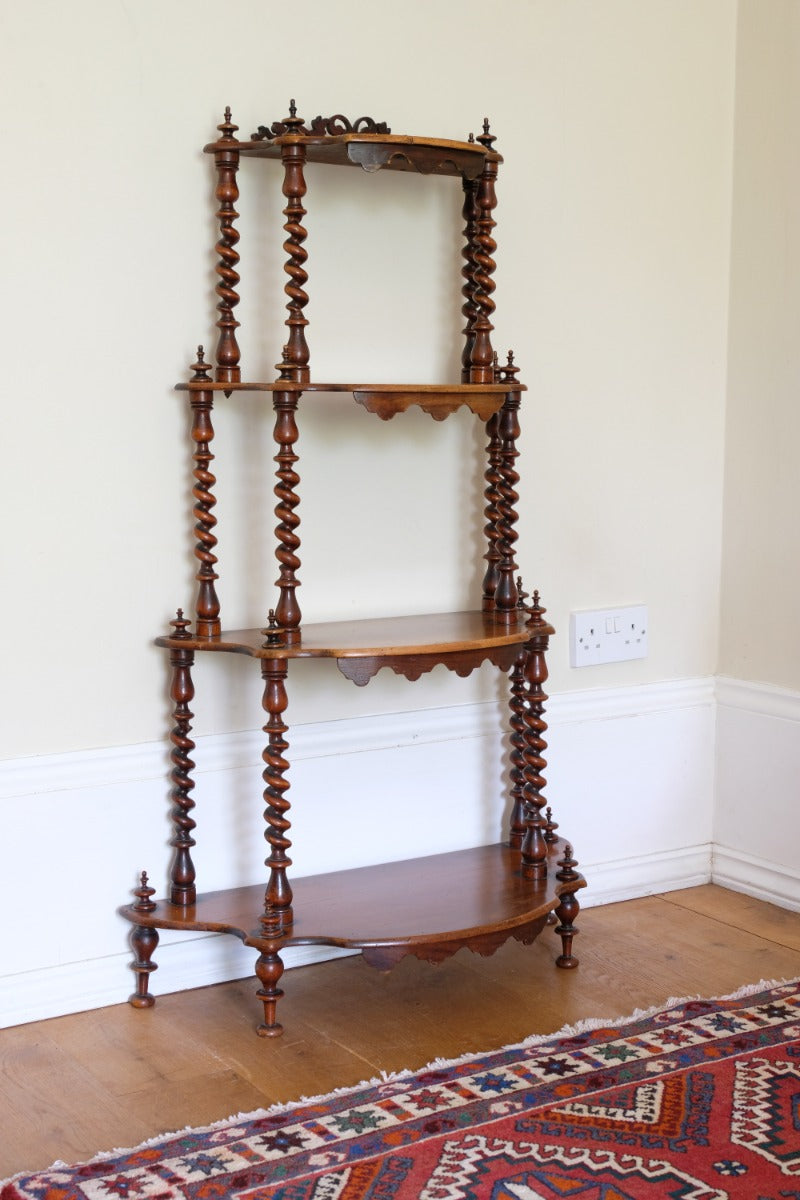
(607, 635)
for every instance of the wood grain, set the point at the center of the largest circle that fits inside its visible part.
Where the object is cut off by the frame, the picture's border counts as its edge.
(382, 637)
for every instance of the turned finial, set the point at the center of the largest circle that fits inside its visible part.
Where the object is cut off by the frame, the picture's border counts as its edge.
(537, 611)
(550, 826)
(180, 625)
(471, 138)
(270, 921)
(509, 372)
(567, 864)
(486, 138)
(535, 608)
(293, 122)
(273, 632)
(227, 128)
(284, 367)
(143, 894)
(200, 367)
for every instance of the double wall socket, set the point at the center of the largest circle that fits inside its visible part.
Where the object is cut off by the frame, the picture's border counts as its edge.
(607, 635)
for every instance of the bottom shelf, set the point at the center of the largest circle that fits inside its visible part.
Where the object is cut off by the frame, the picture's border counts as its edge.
(429, 907)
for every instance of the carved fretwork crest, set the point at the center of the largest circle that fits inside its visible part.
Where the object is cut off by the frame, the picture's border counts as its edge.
(321, 126)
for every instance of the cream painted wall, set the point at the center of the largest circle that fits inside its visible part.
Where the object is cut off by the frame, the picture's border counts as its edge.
(760, 639)
(757, 819)
(616, 120)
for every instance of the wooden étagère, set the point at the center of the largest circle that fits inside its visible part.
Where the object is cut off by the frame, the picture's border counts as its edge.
(435, 905)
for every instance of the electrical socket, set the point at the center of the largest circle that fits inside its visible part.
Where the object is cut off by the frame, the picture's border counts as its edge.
(607, 635)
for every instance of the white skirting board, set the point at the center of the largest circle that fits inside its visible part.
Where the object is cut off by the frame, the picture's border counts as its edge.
(757, 815)
(631, 782)
(743, 872)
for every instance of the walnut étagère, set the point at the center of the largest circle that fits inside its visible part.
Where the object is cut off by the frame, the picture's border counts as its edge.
(432, 906)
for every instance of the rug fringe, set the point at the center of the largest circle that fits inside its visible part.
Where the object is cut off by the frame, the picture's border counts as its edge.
(641, 1014)
(438, 1064)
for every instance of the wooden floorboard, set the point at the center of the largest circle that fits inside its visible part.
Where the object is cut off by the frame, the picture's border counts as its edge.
(75, 1085)
(777, 924)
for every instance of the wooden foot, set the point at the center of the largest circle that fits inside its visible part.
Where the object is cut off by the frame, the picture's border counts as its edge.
(269, 969)
(567, 911)
(567, 959)
(144, 942)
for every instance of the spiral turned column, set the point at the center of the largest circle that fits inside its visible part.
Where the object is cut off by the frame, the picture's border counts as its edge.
(492, 512)
(469, 308)
(182, 872)
(295, 354)
(226, 159)
(278, 894)
(287, 610)
(534, 846)
(518, 823)
(482, 359)
(208, 622)
(506, 595)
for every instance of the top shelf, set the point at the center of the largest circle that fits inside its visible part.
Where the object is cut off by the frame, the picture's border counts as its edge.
(370, 151)
(459, 390)
(386, 399)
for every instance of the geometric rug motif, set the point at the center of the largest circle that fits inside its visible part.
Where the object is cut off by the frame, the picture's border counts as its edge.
(699, 1100)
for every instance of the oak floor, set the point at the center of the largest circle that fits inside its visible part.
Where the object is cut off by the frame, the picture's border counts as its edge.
(75, 1085)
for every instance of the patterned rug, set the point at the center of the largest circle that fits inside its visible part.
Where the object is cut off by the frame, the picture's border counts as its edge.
(698, 1101)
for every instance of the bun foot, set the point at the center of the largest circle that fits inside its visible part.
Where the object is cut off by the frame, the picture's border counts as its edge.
(139, 1001)
(567, 961)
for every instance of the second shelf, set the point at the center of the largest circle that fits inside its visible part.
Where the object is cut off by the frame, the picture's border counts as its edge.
(410, 645)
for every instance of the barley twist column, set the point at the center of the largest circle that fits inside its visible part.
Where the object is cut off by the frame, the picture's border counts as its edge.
(208, 622)
(481, 366)
(469, 309)
(534, 847)
(492, 512)
(182, 871)
(287, 610)
(506, 596)
(517, 824)
(278, 895)
(295, 354)
(226, 159)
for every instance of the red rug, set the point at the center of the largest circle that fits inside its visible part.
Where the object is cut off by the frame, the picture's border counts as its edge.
(698, 1101)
